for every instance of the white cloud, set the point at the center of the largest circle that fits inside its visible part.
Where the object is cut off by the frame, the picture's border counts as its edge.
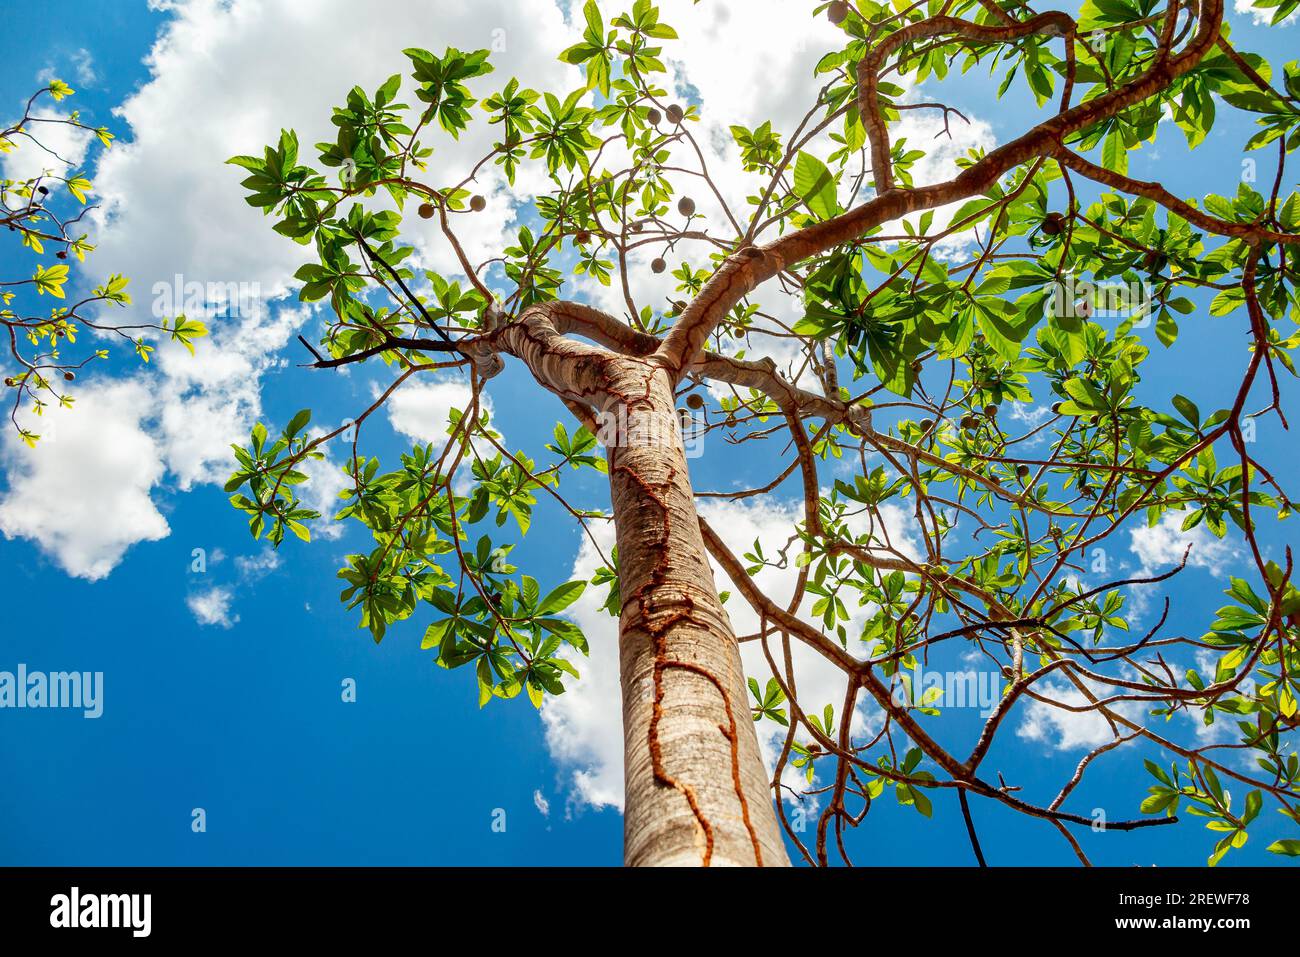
(83, 494)
(420, 409)
(212, 607)
(1262, 16)
(325, 479)
(255, 566)
(29, 160)
(1065, 730)
(169, 424)
(83, 65)
(211, 399)
(543, 806)
(1160, 547)
(223, 81)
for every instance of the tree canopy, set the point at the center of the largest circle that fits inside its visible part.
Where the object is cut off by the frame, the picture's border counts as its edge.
(969, 350)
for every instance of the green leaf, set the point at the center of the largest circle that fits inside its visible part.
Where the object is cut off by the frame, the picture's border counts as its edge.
(814, 184)
(561, 598)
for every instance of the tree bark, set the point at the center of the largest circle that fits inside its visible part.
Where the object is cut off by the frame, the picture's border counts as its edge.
(697, 792)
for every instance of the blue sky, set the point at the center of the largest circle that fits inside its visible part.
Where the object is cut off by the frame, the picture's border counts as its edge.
(223, 687)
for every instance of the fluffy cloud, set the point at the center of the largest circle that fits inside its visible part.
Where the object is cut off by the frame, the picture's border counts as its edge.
(83, 494)
(325, 480)
(68, 144)
(1161, 546)
(1064, 730)
(255, 566)
(420, 409)
(223, 81)
(1260, 15)
(212, 607)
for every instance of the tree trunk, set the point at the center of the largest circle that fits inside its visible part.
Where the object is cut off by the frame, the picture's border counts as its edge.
(696, 789)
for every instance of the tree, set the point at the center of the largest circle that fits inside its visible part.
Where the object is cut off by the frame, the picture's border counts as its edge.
(44, 347)
(908, 364)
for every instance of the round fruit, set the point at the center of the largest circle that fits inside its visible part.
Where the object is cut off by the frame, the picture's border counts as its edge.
(69, 376)
(425, 210)
(654, 116)
(990, 410)
(478, 204)
(1022, 471)
(695, 401)
(970, 423)
(62, 254)
(658, 265)
(837, 11)
(635, 227)
(582, 237)
(1155, 261)
(1053, 223)
(686, 206)
(674, 114)
(926, 426)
